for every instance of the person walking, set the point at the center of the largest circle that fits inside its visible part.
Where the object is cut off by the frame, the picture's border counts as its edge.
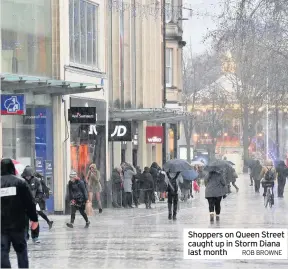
(216, 189)
(17, 204)
(78, 198)
(234, 178)
(117, 180)
(173, 181)
(37, 193)
(256, 170)
(282, 171)
(268, 176)
(128, 171)
(147, 184)
(94, 185)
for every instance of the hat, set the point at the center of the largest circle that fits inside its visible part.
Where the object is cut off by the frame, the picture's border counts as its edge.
(73, 174)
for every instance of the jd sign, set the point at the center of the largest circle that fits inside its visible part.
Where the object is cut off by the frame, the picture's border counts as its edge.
(120, 131)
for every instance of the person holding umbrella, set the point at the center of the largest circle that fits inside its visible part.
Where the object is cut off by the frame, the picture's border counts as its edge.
(173, 179)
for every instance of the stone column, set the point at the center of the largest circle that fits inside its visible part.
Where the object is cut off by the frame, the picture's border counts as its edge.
(142, 149)
(129, 156)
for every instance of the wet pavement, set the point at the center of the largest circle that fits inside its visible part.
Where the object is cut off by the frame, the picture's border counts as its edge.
(140, 238)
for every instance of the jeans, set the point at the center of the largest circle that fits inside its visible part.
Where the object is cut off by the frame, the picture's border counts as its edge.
(128, 199)
(215, 204)
(81, 210)
(19, 244)
(34, 233)
(172, 199)
(117, 197)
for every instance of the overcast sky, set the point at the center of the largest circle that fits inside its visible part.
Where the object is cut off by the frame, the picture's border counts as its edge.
(204, 18)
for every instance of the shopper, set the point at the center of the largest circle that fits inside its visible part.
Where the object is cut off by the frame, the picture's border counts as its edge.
(78, 198)
(216, 189)
(147, 185)
(117, 181)
(94, 185)
(129, 171)
(17, 203)
(173, 181)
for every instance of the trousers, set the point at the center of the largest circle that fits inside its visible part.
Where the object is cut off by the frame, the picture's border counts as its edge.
(215, 204)
(148, 197)
(81, 210)
(18, 241)
(172, 200)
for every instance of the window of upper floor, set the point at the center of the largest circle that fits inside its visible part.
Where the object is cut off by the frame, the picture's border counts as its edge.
(169, 67)
(84, 34)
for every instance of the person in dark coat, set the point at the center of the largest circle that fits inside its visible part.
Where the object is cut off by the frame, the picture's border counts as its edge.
(216, 189)
(17, 204)
(37, 193)
(135, 186)
(147, 185)
(78, 198)
(256, 175)
(159, 182)
(282, 171)
(117, 181)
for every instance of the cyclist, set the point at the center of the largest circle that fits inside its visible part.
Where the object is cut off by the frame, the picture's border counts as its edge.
(268, 175)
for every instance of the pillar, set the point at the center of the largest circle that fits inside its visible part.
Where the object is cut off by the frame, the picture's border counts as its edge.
(142, 153)
(129, 156)
(116, 154)
(58, 154)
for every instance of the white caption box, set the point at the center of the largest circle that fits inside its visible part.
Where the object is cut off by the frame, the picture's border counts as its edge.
(234, 244)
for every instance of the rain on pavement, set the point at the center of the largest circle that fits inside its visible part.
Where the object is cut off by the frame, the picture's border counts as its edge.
(140, 238)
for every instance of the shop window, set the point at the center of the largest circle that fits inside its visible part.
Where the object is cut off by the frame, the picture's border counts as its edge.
(26, 37)
(83, 31)
(169, 68)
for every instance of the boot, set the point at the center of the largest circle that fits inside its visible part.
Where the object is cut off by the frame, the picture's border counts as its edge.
(217, 217)
(211, 217)
(169, 211)
(70, 225)
(174, 217)
(87, 224)
(50, 224)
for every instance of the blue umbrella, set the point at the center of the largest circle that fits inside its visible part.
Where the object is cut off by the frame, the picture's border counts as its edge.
(189, 175)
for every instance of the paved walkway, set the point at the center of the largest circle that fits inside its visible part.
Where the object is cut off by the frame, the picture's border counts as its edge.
(140, 238)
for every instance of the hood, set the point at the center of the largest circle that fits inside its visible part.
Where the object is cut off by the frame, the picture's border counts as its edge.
(7, 167)
(28, 172)
(154, 165)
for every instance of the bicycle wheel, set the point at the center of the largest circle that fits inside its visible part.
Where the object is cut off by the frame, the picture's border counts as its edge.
(267, 198)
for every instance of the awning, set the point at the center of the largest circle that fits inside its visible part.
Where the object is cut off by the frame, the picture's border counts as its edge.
(14, 83)
(159, 115)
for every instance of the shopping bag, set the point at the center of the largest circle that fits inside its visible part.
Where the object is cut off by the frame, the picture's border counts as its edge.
(89, 209)
(38, 207)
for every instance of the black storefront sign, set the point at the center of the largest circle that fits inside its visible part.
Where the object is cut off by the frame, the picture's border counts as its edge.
(120, 131)
(82, 115)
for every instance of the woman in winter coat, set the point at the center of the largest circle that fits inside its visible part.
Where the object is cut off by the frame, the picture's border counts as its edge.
(117, 181)
(256, 170)
(128, 172)
(78, 197)
(282, 171)
(147, 185)
(216, 189)
(94, 185)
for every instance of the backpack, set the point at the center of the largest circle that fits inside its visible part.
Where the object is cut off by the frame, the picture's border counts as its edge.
(269, 176)
(45, 189)
(173, 185)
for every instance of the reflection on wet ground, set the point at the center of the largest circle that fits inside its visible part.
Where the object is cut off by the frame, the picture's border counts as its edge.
(140, 238)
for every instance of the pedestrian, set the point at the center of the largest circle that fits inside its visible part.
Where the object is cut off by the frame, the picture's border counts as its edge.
(147, 184)
(128, 171)
(185, 189)
(234, 178)
(17, 204)
(282, 171)
(135, 186)
(173, 181)
(42, 201)
(256, 170)
(268, 176)
(94, 185)
(117, 180)
(38, 196)
(78, 197)
(216, 189)
(160, 186)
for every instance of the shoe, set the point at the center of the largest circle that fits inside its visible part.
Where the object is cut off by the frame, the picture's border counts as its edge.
(87, 224)
(131, 206)
(264, 194)
(170, 216)
(212, 217)
(100, 210)
(217, 217)
(237, 190)
(251, 185)
(50, 224)
(147, 206)
(174, 217)
(36, 240)
(70, 225)
(150, 207)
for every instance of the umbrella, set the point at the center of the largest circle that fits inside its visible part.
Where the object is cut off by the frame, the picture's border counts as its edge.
(177, 165)
(197, 163)
(189, 175)
(19, 167)
(218, 166)
(229, 162)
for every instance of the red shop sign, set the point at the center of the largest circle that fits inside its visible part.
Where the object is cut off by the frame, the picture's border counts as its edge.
(154, 134)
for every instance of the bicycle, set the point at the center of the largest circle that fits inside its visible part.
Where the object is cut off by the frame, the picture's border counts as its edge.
(268, 199)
